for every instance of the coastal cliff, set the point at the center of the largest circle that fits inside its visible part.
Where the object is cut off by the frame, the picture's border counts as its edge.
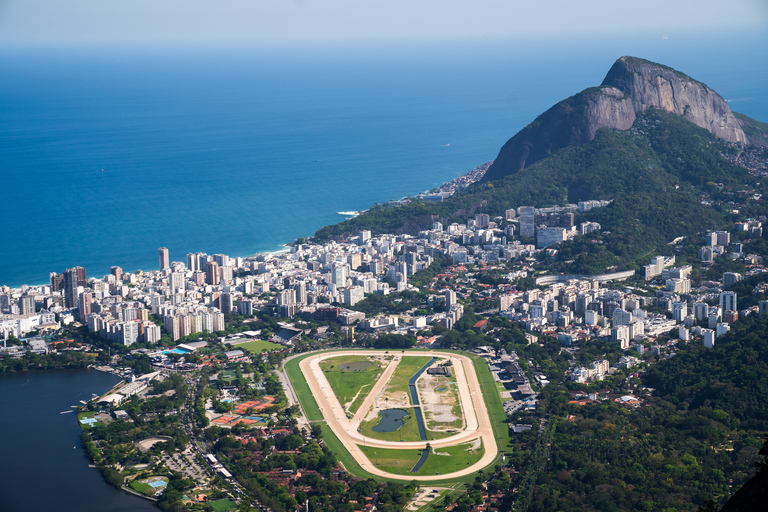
(631, 87)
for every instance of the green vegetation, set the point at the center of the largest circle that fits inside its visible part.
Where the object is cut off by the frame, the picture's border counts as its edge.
(112, 476)
(258, 346)
(300, 386)
(697, 438)
(493, 402)
(151, 417)
(223, 505)
(441, 461)
(351, 387)
(451, 458)
(391, 460)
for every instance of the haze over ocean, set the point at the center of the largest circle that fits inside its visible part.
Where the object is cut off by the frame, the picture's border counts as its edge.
(239, 151)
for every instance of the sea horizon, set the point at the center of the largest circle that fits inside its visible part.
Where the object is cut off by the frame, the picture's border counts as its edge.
(242, 152)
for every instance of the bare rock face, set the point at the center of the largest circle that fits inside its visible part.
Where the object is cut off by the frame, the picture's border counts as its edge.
(631, 87)
(652, 85)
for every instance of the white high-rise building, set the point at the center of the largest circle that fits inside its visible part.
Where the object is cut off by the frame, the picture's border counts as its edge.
(177, 282)
(621, 317)
(353, 295)
(192, 262)
(728, 301)
(700, 311)
(708, 336)
(450, 299)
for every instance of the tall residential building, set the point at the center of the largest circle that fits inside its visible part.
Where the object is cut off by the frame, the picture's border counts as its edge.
(57, 281)
(84, 306)
(202, 259)
(450, 299)
(226, 302)
(70, 287)
(549, 236)
(728, 301)
(81, 278)
(723, 237)
(192, 262)
(221, 259)
(177, 282)
(353, 295)
(527, 221)
(621, 317)
(730, 279)
(700, 311)
(212, 273)
(339, 274)
(301, 292)
(482, 220)
(164, 260)
(117, 272)
(26, 305)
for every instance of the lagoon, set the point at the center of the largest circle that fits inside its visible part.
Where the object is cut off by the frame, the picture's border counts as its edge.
(42, 470)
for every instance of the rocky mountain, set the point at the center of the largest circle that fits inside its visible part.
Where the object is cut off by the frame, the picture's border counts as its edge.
(631, 87)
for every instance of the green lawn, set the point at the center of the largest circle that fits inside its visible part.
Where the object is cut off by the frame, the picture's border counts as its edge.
(223, 505)
(387, 459)
(258, 346)
(448, 460)
(300, 386)
(493, 402)
(351, 386)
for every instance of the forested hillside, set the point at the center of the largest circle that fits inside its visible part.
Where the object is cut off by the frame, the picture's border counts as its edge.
(657, 174)
(696, 438)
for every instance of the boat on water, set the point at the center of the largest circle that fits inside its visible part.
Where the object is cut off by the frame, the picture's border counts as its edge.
(66, 412)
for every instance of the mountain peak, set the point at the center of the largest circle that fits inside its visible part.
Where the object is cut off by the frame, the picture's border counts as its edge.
(632, 86)
(652, 85)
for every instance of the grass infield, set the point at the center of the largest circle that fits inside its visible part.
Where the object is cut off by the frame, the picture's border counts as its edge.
(351, 386)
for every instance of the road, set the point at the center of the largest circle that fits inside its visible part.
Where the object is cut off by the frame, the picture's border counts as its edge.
(470, 395)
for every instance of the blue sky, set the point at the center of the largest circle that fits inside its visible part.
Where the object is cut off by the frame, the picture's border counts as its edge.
(179, 22)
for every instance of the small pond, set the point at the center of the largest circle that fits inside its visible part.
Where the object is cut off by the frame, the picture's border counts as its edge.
(359, 366)
(440, 390)
(390, 420)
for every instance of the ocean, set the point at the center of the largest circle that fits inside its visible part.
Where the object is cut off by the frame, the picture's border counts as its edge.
(107, 154)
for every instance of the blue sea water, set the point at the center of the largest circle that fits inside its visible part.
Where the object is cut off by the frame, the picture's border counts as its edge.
(240, 150)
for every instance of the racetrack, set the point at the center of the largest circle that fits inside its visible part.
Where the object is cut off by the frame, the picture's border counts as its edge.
(478, 425)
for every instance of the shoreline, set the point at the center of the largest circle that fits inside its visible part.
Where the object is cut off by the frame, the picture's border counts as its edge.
(468, 178)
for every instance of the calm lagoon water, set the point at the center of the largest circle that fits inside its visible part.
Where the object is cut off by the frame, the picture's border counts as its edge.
(45, 467)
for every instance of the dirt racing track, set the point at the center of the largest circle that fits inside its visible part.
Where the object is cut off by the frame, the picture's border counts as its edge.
(478, 423)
